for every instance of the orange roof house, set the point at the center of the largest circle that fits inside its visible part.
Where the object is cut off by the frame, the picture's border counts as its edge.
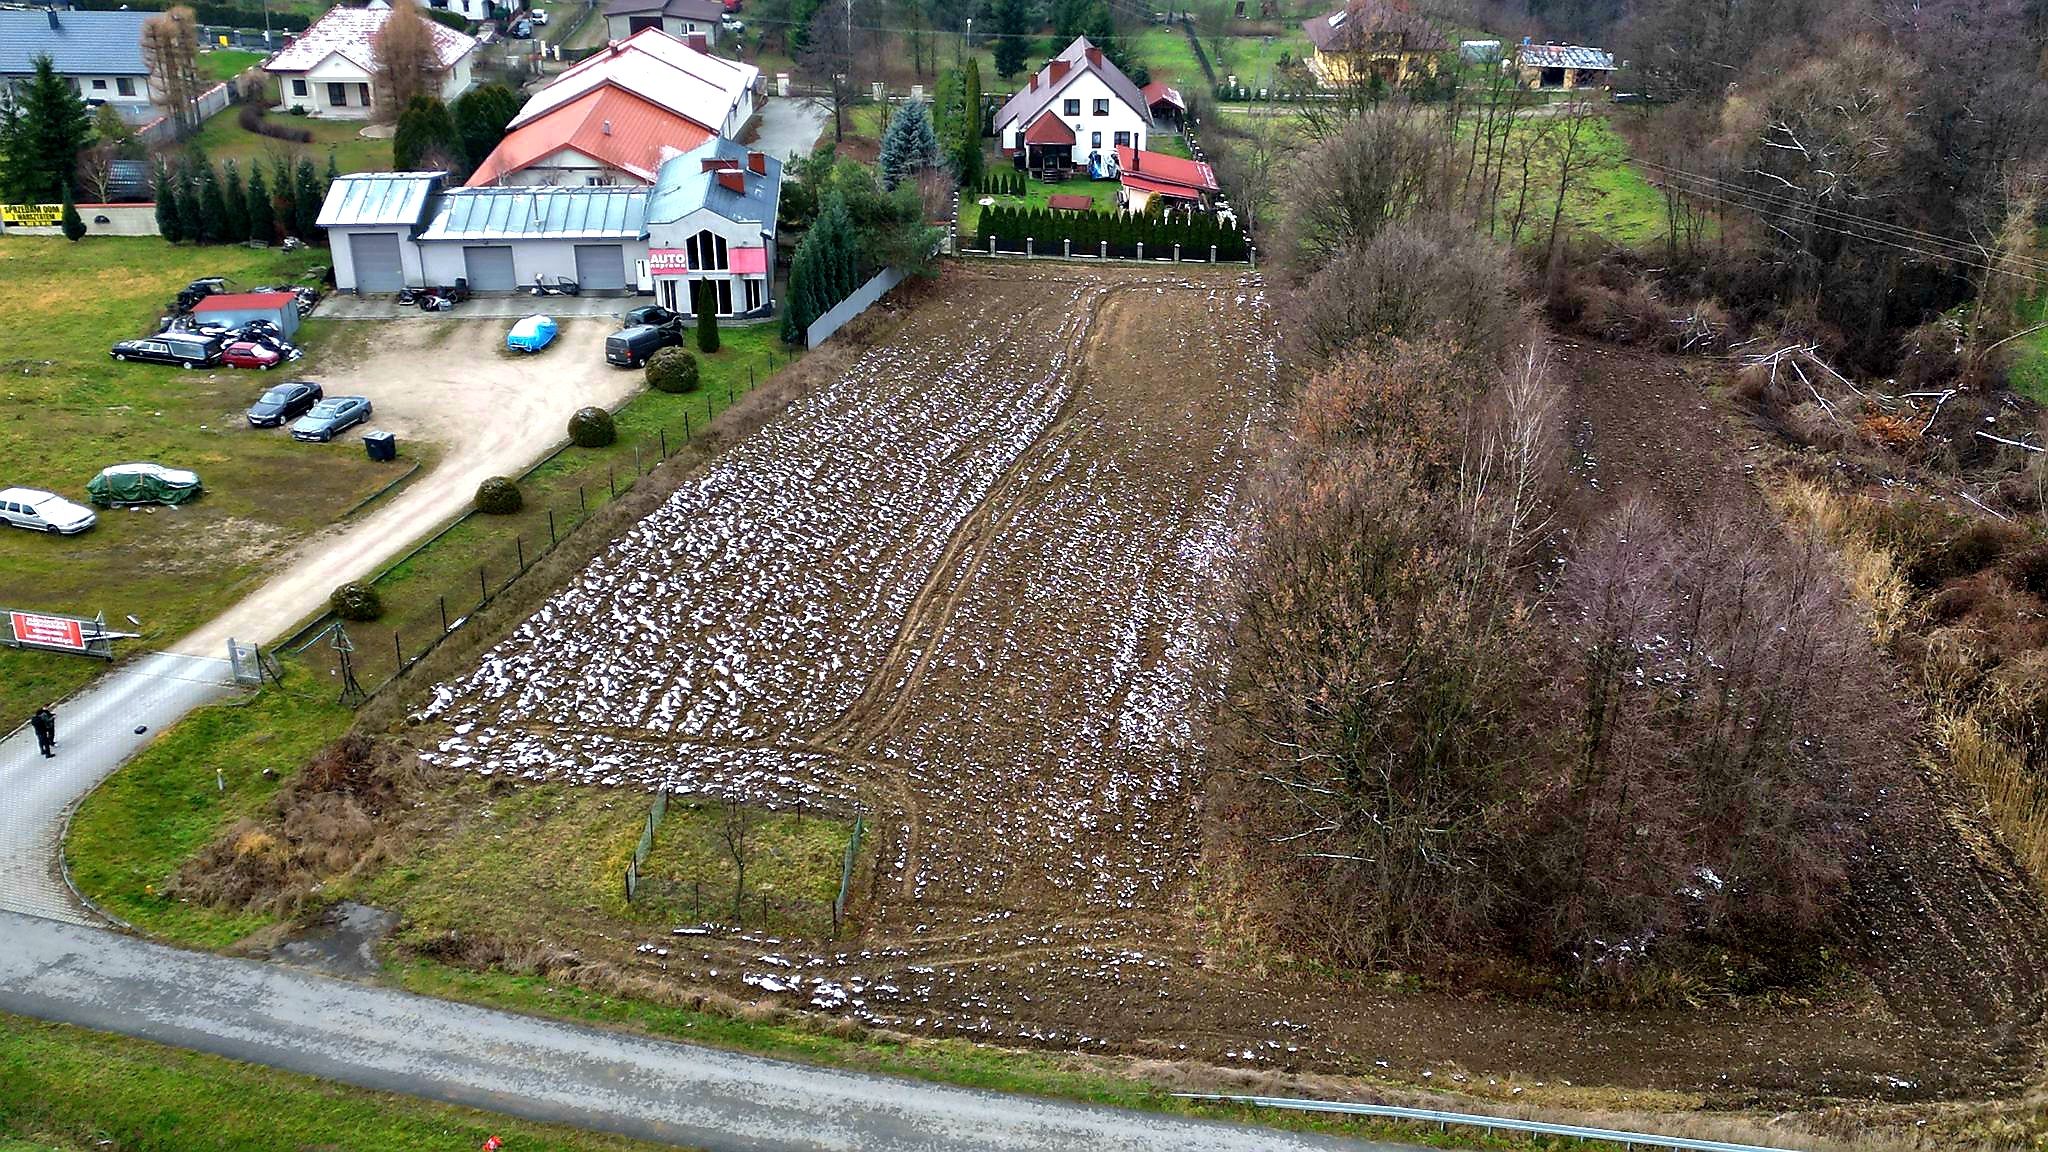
(605, 136)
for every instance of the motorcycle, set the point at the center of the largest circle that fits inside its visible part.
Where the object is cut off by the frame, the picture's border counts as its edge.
(555, 286)
(407, 297)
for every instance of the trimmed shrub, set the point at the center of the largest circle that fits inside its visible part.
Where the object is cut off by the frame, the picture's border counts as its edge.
(251, 119)
(499, 496)
(592, 428)
(355, 601)
(672, 370)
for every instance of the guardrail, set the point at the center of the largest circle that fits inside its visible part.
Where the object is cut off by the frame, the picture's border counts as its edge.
(1487, 1123)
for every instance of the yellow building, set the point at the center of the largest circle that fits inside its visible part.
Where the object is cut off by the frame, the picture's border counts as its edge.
(1373, 38)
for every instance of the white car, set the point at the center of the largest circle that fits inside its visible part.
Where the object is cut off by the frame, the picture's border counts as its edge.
(44, 511)
(538, 17)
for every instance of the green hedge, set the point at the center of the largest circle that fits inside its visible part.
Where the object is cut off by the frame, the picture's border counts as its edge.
(1195, 232)
(217, 15)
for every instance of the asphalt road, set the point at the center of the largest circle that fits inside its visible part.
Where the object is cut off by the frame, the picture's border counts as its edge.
(95, 734)
(542, 1070)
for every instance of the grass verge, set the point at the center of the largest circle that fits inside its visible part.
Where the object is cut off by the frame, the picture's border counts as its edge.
(66, 1088)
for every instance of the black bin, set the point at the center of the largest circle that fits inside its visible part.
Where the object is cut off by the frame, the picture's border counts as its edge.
(380, 445)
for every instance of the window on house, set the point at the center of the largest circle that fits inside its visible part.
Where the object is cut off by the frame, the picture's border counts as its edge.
(753, 294)
(1123, 139)
(724, 293)
(1102, 107)
(707, 253)
(1095, 139)
(337, 95)
(125, 85)
(298, 87)
(99, 85)
(1073, 107)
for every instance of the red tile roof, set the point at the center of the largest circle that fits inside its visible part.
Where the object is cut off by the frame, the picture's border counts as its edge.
(1070, 202)
(1159, 168)
(1049, 129)
(239, 301)
(606, 123)
(1158, 187)
(1158, 92)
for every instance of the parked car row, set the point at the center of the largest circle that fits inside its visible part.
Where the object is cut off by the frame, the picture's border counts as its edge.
(304, 405)
(186, 344)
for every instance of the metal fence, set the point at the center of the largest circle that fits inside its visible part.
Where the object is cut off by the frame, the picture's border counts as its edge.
(1487, 1124)
(654, 814)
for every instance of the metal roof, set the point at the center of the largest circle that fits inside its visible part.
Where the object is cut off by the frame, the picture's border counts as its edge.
(609, 124)
(77, 43)
(684, 186)
(350, 32)
(1077, 59)
(539, 214)
(1562, 56)
(374, 198)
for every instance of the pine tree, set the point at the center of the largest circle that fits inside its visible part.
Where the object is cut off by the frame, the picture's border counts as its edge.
(707, 318)
(333, 167)
(1013, 36)
(306, 195)
(237, 201)
(40, 136)
(283, 195)
(968, 162)
(74, 228)
(426, 136)
(166, 203)
(261, 212)
(213, 208)
(908, 145)
(185, 203)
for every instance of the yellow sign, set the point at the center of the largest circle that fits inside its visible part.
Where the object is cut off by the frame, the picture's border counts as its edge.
(31, 215)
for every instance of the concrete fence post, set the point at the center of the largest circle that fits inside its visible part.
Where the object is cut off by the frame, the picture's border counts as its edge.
(1067, 247)
(1105, 250)
(1030, 247)
(1176, 253)
(1212, 253)
(991, 245)
(1141, 249)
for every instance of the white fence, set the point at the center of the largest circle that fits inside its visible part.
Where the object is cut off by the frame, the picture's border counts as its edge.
(164, 130)
(832, 321)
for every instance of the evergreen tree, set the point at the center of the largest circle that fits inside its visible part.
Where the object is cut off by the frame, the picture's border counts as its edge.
(707, 318)
(825, 270)
(908, 144)
(187, 204)
(968, 160)
(283, 194)
(1013, 36)
(426, 136)
(74, 228)
(213, 208)
(167, 222)
(237, 201)
(333, 167)
(40, 136)
(480, 118)
(306, 195)
(261, 212)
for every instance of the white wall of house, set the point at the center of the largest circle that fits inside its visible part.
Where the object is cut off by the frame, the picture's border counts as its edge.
(136, 105)
(312, 89)
(620, 26)
(673, 290)
(1076, 107)
(457, 81)
(343, 254)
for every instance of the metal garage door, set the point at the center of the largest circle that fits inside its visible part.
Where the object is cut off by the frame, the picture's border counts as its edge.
(601, 267)
(490, 269)
(378, 267)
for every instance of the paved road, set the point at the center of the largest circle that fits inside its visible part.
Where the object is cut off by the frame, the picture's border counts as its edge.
(790, 126)
(95, 733)
(541, 1070)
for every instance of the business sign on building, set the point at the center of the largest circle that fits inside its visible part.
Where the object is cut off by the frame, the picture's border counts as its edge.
(52, 633)
(31, 215)
(668, 262)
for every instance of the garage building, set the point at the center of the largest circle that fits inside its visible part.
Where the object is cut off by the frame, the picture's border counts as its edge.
(709, 218)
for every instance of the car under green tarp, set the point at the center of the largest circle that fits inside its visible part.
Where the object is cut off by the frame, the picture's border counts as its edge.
(125, 484)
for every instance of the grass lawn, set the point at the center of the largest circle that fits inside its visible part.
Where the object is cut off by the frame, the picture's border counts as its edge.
(223, 137)
(2029, 371)
(67, 1088)
(67, 410)
(1608, 196)
(1036, 195)
(131, 834)
(226, 63)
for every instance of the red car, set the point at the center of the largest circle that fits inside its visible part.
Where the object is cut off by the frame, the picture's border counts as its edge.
(248, 354)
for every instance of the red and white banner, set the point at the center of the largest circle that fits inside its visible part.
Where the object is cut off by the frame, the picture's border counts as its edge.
(47, 631)
(668, 262)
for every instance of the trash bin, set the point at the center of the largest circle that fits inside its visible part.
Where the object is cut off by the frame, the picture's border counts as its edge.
(380, 445)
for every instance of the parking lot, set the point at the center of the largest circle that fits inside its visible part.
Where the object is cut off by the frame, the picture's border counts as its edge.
(441, 380)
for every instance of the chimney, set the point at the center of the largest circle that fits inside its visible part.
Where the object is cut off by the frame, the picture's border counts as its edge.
(757, 162)
(732, 181)
(698, 43)
(1034, 75)
(1056, 69)
(53, 18)
(716, 164)
(1095, 56)
(1137, 159)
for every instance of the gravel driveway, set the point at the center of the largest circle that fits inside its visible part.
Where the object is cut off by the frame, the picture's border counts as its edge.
(449, 382)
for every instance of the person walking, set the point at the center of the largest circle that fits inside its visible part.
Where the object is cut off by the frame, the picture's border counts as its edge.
(45, 724)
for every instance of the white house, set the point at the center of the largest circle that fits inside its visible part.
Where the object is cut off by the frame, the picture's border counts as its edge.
(710, 90)
(678, 18)
(327, 69)
(709, 217)
(1074, 112)
(98, 53)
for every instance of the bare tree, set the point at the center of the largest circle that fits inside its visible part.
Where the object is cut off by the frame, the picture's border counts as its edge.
(1571, 132)
(170, 50)
(404, 60)
(828, 53)
(1386, 164)
(735, 826)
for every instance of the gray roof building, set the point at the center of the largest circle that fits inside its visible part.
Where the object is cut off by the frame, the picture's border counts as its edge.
(1563, 56)
(379, 199)
(77, 43)
(692, 181)
(539, 214)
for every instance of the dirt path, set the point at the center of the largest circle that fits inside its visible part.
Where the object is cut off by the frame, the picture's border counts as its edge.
(449, 383)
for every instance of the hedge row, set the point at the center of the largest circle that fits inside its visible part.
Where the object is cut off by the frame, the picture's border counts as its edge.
(216, 15)
(1195, 232)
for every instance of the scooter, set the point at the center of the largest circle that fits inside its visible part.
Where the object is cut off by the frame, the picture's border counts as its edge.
(555, 286)
(407, 297)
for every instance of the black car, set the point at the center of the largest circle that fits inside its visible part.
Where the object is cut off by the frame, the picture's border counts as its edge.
(652, 314)
(632, 347)
(330, 418)
(185, 349)
(287, 401)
